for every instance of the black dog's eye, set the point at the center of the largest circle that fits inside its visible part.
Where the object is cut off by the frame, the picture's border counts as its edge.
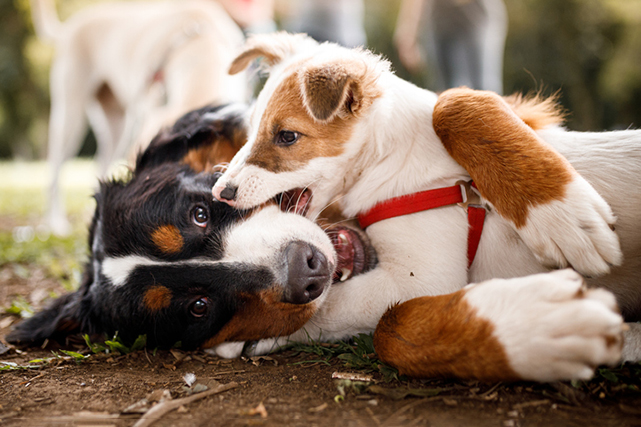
(200, 216)
(199, 307)
(287, 137)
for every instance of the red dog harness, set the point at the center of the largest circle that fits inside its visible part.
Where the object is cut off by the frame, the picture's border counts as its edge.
(463, 193)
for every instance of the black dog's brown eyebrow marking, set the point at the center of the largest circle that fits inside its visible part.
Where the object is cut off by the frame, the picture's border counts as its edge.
(168, 239)
(157, 297)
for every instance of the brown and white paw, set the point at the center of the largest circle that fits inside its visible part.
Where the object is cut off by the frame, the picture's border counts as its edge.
(576, 231)
(550, 326)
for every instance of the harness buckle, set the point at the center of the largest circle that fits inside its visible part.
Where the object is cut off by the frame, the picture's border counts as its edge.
(471, 195)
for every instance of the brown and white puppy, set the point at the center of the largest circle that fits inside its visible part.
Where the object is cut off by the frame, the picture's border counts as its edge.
(334, 125)
(129, 68)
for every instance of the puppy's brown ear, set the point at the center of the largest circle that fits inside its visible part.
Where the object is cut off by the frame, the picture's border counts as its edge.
(335, 89)
(273, 47)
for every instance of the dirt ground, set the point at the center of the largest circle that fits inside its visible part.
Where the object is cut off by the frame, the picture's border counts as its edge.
(286, 389)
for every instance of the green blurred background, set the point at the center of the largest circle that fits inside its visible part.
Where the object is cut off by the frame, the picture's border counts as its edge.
(589, 50)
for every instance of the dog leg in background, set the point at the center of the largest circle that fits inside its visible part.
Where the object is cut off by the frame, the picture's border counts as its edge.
(544, 327)
(556, 212)
(67, 127)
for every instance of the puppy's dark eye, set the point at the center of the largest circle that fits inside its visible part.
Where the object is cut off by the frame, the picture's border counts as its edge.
(287, 137)
(200, 216)
(199, 307)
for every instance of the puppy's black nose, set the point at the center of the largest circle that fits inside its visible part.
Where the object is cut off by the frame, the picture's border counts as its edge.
(308, 273)
(228, 193)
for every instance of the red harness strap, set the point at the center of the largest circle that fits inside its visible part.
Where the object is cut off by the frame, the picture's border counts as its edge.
(417, 202)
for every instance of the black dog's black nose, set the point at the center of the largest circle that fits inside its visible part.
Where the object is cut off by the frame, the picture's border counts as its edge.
(308, 272)
(228, 193)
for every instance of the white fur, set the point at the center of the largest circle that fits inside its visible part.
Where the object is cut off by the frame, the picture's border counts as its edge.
(566, 332)
(394, 151)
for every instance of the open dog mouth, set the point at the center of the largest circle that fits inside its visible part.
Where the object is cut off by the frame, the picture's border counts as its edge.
(355, 254)
(295, 201)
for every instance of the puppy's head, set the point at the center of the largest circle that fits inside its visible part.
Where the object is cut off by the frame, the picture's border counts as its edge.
(169, 261)
(307, 124)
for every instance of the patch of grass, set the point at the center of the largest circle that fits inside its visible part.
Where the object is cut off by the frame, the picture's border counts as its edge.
(67, 355)
(61, 257)
(357, 354)
(116, 345)
(23, 243)
(24, 187)
(20, 307)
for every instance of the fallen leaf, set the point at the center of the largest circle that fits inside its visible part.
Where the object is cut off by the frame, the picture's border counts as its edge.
(159, 395)
(259, 410)
(319, 408)
(178, 355)
(258, 359)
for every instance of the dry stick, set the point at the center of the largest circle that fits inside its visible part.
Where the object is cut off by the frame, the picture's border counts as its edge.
(155, 413)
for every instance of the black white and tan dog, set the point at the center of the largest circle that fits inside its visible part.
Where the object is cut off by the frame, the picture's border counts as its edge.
(169, 261)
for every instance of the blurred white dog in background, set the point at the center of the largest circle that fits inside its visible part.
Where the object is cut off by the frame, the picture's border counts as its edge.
(127, 69)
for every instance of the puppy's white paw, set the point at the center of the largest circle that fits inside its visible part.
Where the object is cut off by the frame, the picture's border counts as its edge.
(576, 231)
(550, 326)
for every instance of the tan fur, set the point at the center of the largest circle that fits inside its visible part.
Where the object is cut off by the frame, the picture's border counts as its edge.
(263, 315)
(480, 130)
(168, 239)
(287, 112)
(441, 336)
(206, 157)
(156, 298)
(299, 102)
(536, 111)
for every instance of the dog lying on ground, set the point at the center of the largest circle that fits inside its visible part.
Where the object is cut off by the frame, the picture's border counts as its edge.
(130, 68)
(168, 261)
(334, 125)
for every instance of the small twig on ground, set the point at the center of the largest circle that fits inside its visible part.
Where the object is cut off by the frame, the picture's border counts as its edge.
(147, 356)
(155, 413)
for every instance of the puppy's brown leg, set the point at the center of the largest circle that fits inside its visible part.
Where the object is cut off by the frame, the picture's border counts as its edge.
(558, 214)
(512, 167)
(544, 327)
(441, 336)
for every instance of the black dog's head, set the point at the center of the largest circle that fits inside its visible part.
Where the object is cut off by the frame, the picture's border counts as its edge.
(169, 261)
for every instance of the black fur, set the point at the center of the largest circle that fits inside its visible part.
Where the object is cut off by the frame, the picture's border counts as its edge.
(161, 191)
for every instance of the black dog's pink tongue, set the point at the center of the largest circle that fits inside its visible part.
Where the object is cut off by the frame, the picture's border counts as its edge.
(344, 247)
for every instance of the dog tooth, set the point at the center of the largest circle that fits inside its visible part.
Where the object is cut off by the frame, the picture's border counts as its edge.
(343, 239)
(346, 273)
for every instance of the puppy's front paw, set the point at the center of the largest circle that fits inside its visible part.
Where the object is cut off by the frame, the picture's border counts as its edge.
(550, 326)
(576, 231)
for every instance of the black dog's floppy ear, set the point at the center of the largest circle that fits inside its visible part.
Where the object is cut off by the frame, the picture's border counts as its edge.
(200, 139)
(60, 319)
